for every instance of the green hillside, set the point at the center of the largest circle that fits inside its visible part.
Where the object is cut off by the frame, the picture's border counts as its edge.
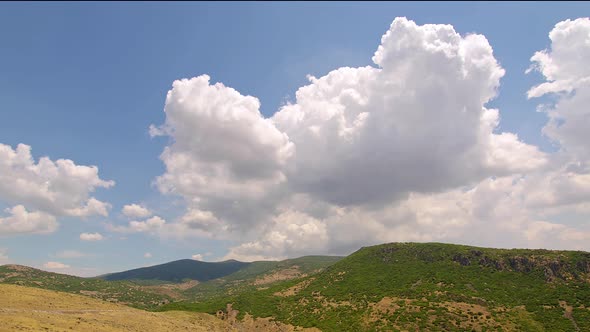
(431, 286)
(118, 291)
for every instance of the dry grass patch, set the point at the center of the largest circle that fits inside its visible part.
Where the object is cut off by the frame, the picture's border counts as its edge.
(32, 309)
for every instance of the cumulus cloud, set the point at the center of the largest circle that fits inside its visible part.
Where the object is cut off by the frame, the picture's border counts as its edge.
(198, 257)
(355, 140)
(58, 187)
(566, 185)
(91, 237)
(417, 123)
(402, 150)
(21, 221)
(225, 157)
(55, 266)
(136, 211)
(45, 190)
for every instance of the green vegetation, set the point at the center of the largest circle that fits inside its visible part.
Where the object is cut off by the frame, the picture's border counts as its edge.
(432, 286)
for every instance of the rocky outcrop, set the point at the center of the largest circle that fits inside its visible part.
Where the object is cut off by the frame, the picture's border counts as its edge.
(553, 265)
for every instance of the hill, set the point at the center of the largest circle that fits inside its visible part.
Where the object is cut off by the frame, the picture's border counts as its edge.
(428, 287)
(260, 274)
(180, 270)
(21, 309)
(114, 291)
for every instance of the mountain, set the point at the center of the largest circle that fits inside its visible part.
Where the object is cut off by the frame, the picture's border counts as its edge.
(180, 270)
(33, 309)
(427, 287)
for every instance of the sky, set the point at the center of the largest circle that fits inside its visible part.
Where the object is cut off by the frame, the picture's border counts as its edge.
(133, 134)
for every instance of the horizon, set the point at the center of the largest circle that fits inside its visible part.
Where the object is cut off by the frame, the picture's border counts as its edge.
(293, 258)
(139, 133)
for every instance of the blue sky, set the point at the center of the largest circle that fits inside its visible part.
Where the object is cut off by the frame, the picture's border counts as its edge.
(84, 81)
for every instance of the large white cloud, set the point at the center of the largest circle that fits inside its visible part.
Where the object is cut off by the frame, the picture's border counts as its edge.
(21, 221)
(565, 66)
(494, 213)
(416, 123)
(405, 150)
(49, 188)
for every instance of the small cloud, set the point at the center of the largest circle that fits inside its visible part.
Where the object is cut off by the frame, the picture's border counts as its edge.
(91, 237)
(147, 255)
(136, 211)
(55, 265)
(200, 257)
(150, 225)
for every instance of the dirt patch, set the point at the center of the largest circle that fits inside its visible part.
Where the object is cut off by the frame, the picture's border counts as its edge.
(284, 274)
(387, 306)
(172, 290)
(567, 313)
(466, 307)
